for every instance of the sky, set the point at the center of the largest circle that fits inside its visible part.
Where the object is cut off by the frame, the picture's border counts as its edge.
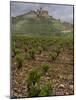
(62, 12)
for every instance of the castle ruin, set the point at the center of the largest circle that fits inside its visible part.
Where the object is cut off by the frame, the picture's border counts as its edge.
(42, 13)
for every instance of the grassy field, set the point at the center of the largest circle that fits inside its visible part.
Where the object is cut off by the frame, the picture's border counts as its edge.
(41, 66)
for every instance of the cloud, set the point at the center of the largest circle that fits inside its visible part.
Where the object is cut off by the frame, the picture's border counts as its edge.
(62, 12)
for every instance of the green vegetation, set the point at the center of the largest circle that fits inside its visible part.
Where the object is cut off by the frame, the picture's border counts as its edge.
(31, 25)
(34, 87)
(19, 58)
(45, 67)
(37, 45)
(33, 77)
(33, 91)
(39, 50)
(57, 50)
(32, 53)
(52, 56)
(32, 82)
(46, 89)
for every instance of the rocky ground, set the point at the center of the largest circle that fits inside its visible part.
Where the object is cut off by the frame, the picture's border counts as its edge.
(60, 73)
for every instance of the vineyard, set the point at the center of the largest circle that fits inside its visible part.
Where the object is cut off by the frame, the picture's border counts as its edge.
(41, 66)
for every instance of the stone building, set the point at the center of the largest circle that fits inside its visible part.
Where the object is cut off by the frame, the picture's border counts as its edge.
(42, 13)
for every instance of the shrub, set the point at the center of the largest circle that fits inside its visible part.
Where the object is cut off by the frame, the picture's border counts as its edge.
(33, 85)
(19, 59)
(33, 82)
(57, 50)
(33, 77)
(33, 90)
(25, 47)
(52, 56)
(15, 50)
(39, 50)
(45, 67)
(44, 47)
(32, 53)
(46, 89)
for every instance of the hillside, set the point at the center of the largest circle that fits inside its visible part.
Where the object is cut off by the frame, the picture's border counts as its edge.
(30, 23)
(42, 56)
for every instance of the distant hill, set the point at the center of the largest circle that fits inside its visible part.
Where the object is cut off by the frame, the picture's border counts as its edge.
(31, 23)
